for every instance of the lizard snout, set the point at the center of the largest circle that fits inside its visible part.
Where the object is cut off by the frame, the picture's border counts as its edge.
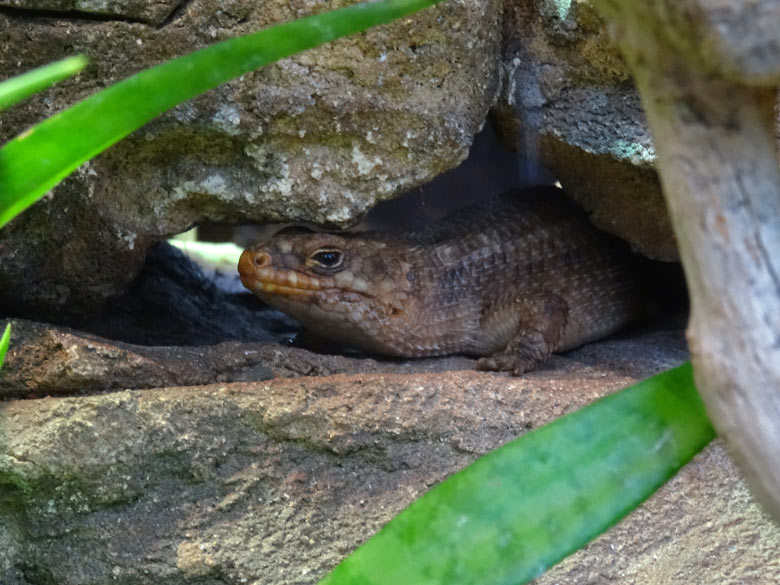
(249, 262)
(259, 275)
(253, 259)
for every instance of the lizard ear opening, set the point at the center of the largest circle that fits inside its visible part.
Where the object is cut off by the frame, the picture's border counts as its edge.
(328, 258)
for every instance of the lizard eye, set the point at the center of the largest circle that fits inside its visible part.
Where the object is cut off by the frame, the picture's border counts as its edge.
(328, 257)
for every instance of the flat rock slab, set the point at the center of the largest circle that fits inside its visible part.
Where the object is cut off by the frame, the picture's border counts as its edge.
(47, 359)
(275, 481)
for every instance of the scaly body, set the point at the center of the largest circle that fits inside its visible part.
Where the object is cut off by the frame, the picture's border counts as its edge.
(511, 279)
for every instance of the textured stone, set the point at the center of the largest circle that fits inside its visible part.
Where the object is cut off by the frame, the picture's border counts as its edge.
(568, 100)
(128, 10)
(320, 136)
(49, 360)
(275, 481)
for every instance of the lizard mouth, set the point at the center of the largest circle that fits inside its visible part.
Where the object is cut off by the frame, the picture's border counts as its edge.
(259, 276)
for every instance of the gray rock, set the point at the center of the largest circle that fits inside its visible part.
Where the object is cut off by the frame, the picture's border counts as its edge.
(125, 10)
(320, 136)
(568, 100)
(274, 482)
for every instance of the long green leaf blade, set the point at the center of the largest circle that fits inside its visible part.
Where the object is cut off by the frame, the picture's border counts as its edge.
(17, 88)
(37, 160)
(5, 340)
(515, 512)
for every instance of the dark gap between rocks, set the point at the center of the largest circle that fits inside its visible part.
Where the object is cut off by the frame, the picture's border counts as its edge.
(72, 15)
(174, 14)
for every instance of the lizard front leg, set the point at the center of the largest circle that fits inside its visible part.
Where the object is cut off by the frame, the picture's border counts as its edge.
(539, 321)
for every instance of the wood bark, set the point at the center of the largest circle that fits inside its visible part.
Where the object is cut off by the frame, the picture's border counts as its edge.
(715, 139)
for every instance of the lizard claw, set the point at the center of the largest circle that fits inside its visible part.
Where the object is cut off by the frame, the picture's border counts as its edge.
(513, 362)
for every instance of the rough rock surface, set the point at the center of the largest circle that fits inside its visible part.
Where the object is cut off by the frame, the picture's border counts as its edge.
(154, 13)
(273, 482)
(49, 360)
(321, 136)
(569, 100)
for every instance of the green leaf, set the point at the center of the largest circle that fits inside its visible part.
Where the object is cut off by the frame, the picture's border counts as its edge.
(5, 340)
(517, 511)
(17, 88)
(37, 160)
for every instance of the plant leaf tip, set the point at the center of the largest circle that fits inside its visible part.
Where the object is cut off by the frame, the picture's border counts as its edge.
(4, 342)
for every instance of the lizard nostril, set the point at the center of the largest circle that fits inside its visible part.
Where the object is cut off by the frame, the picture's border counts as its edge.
(261, 259)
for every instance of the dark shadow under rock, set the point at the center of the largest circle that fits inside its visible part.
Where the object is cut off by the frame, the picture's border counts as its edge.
(172, 302)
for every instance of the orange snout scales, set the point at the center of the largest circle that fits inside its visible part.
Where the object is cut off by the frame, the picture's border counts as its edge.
(260, 276)
(248, 264)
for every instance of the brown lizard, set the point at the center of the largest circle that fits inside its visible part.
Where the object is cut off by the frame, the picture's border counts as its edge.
(511, 279)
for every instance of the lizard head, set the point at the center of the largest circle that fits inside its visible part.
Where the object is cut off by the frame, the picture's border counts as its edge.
(332, 275)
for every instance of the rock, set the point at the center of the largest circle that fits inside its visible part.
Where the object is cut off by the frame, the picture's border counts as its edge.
(153, 13)
(701, 527)
(275, 481)
(321, 136)
(568, 100)
(49, 360)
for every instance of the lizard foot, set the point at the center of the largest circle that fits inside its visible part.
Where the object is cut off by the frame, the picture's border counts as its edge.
(541, 318)
(515, 362)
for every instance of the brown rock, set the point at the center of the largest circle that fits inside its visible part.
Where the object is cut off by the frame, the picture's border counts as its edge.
(49, 360)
